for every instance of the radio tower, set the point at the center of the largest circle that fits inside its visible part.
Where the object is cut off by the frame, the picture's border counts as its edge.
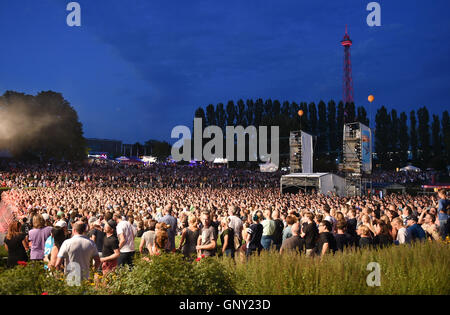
(348, 82)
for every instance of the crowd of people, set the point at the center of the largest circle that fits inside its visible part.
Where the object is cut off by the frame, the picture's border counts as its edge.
(115, 175)
(92, 215)
(405, 177)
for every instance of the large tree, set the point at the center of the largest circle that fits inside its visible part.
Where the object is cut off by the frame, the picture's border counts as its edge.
(199, 113)
(446, 135)
(436, 136)
(259, 111)
(423, 131)
(394, 136)
(231, 113)
(413, 136)
(332, 127)
(160, 149)
(340, 125)
(305, 126)
(322, 128)
(382, 136)
(250, 113)
(221, 116)
(349, 113)
(403, 138)
(44, 126)
(210, 115)
(240, 115)
(312, 118)
(362, 116)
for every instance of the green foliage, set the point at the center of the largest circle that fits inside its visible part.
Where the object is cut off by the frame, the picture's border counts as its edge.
(159, 149)
(212, 278)
(33, 279)
(171, 274)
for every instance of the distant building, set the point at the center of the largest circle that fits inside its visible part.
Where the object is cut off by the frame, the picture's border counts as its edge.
(111, 147)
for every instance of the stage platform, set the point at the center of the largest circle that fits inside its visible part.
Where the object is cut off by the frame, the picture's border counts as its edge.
(325, 183)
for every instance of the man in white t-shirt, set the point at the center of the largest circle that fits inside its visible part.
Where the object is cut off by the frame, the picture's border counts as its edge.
(78, 253)
(125, 234)
(235, 222)
(403, 237)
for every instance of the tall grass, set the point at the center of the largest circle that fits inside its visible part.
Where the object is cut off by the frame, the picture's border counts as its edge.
(421, 268)
(417, 269)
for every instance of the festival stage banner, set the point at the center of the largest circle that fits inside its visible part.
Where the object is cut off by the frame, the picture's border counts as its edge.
(307, 153)
(366, 149)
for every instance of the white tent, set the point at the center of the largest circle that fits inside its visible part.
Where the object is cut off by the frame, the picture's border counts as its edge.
(268, 167)
(149, 159)
(220, 161)
(122, 158)
(325, 183)
(410, 168)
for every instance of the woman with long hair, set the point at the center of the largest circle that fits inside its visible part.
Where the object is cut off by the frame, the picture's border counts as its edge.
(383, 236)
(16, 243)
(227, 238)
(38, 235)
(161, 238)
(189, 237)
(59, 237)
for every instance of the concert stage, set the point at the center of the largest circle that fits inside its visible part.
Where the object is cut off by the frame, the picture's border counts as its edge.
(325, 183)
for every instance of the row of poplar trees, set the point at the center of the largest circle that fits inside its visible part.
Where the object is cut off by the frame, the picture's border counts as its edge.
(397, 140)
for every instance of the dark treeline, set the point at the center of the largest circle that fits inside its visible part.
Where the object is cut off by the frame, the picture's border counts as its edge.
(415, 137)
(399, 138)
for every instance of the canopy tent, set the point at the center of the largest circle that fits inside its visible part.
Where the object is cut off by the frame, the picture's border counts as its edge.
(220, 161)
(122, 158)
(410, 168)
(149, 159)
(268, 167)
(325, 183)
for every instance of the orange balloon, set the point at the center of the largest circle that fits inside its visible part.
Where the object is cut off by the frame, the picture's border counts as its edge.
(371, 98)
(300, 113)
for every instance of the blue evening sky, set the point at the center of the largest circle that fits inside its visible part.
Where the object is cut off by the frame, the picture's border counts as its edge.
(137, 68)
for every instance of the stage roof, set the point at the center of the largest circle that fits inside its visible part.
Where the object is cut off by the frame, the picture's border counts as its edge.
(312, 175)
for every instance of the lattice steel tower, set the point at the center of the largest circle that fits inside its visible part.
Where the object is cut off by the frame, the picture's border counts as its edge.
(348, 82)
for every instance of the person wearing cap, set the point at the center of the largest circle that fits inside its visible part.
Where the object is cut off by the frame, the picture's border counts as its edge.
(414, 229)
(110, 250)
(254, 234)
(96, 233)
(37, 236)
